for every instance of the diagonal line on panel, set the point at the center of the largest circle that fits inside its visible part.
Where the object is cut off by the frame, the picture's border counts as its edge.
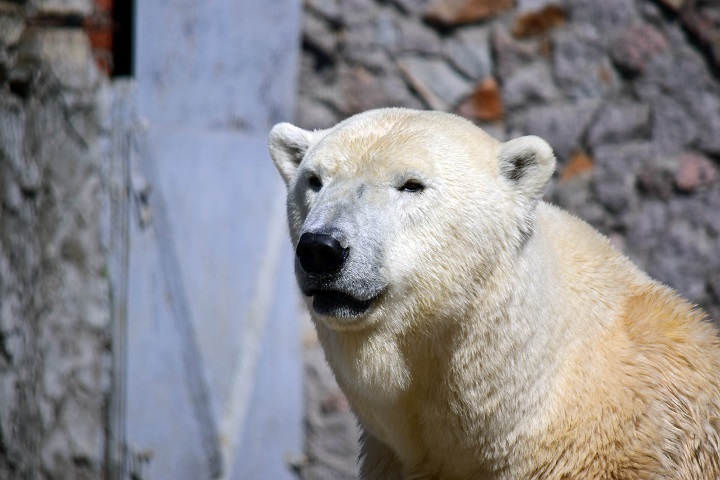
(233, 419)
(195, 377)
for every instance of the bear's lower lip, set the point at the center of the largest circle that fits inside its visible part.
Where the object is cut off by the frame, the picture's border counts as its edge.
(338, 304)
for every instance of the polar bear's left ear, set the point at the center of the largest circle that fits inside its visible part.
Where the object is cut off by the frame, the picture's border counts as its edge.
(288, 145)
(528, 162)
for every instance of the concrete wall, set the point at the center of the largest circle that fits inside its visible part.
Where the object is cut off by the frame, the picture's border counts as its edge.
(54, 291)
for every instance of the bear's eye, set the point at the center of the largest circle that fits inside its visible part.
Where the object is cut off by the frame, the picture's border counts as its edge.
(314, 182)
(412, 186)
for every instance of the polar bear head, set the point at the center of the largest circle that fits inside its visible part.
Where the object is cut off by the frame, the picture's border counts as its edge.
(398, 215)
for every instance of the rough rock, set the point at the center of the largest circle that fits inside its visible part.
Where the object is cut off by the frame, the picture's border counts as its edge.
(636, 46)
(582, 67)
(363, 44)
(683, 252)
(684, 96)
(615, 174)
(313, 114)
(358, 12)
(646, 225)
(606, 17)
(674, 128)
(12, 24)
(619, 121)
(331, 432)
(63, 7)
(412, 7)
(54, 293)
(563, 125)
(65, 52)
(707, 214)
(695, 171)
(435, 81)
(319, 37)
(703, 24)
(707, 109)
(328, 9)
(511, 54)
(469, 52)
(416, 37)
(363, 90)
(655, 179)
(530, 85)
(714, 284)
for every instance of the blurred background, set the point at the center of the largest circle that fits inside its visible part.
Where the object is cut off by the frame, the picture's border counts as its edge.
(149, 323)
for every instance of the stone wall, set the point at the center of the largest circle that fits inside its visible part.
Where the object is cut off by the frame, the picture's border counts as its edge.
(54, 292)
(626, 91)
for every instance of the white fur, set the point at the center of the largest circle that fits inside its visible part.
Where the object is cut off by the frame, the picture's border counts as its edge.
(509, 340)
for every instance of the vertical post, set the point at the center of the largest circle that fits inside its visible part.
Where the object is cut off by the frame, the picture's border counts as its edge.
(118, 177)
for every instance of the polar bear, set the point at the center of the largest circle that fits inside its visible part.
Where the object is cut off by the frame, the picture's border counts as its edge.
(479, 332)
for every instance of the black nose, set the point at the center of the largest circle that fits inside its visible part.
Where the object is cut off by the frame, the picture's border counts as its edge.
(320, 253)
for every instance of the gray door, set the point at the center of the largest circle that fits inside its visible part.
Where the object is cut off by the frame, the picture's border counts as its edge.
(212, 353)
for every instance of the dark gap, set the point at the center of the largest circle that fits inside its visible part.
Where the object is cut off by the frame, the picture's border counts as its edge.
(321, 59)
(123, 32)
(7, 358)
(20, 86)
(689, 18)
(53, 20)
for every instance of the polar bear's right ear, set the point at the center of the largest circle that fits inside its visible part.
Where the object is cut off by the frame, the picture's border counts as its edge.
(288, 145)
(529, 162)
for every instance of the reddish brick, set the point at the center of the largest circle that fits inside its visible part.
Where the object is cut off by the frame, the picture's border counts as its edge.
(540, 21)
(484, 104)
(99, 28)
(579, 162)
(451, 13)
(634, 48)
(695, 171)
(106, 5)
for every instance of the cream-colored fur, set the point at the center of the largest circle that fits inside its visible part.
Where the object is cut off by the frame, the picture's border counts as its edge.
(508, 340)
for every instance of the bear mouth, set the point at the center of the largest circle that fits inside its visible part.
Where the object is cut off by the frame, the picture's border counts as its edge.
(338, 304)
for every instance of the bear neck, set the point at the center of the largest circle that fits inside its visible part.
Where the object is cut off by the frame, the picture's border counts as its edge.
(512, 340)
(510, 335)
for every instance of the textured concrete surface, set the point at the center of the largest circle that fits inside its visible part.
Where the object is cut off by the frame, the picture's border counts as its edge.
(54, 290)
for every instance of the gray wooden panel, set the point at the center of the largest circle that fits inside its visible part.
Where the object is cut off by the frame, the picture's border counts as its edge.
(161, 424)
(267, 438)
(212, 325)
(222, 195)
(204, 281)
(217, 64)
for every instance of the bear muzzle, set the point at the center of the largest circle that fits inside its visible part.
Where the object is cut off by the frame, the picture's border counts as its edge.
(338, 286)
(320, 253)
